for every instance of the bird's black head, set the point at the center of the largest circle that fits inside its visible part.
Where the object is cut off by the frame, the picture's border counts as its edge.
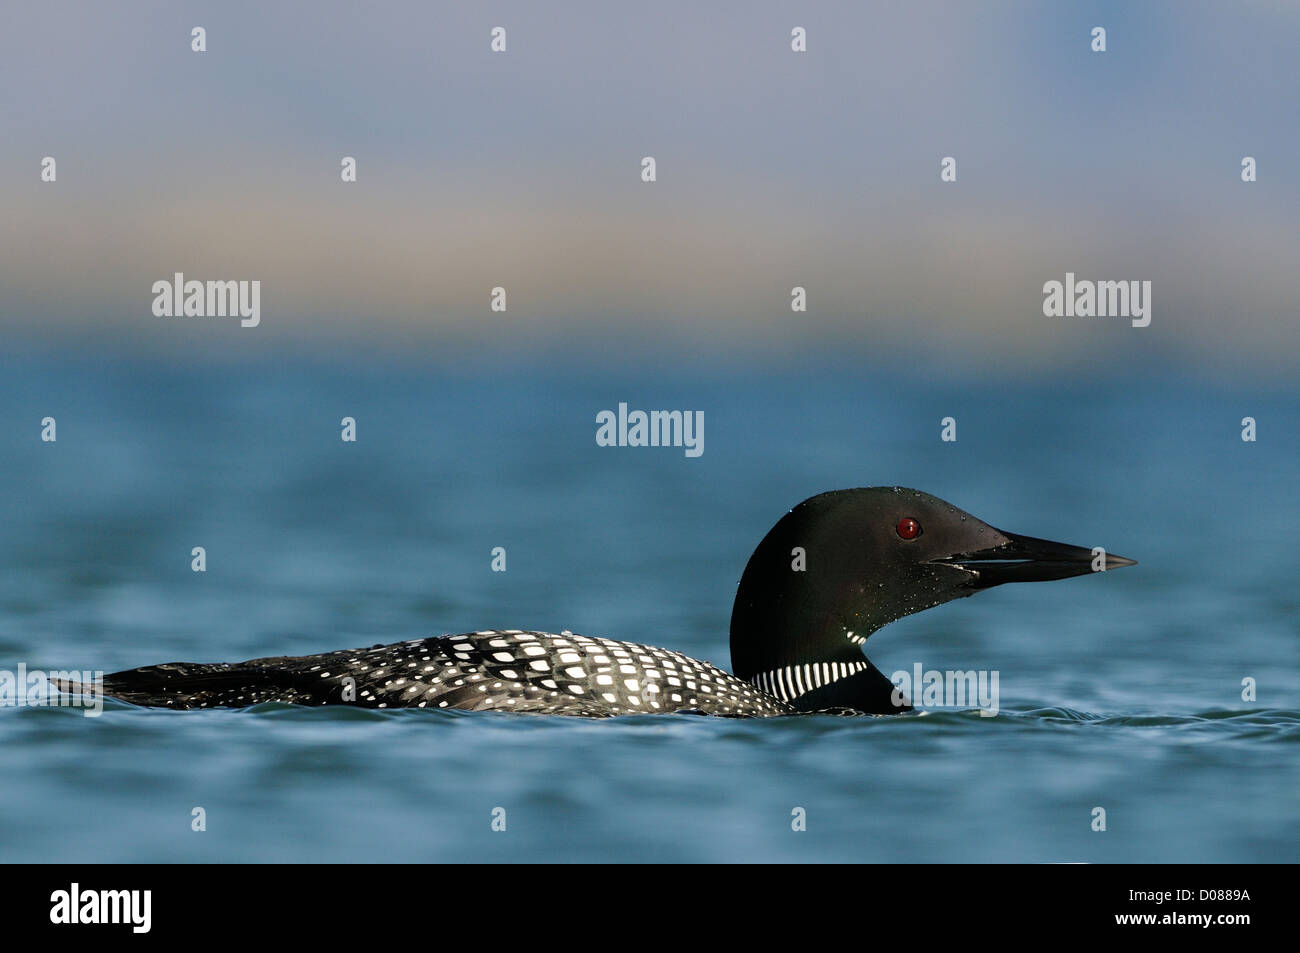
(842, 564)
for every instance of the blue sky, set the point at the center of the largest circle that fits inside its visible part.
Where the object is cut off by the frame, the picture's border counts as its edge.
(775, 169)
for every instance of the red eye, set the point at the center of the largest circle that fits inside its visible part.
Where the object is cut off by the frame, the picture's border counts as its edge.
(909, 528)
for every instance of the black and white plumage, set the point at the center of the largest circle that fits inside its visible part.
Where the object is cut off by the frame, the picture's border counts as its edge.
(503, 670)
(863, 558)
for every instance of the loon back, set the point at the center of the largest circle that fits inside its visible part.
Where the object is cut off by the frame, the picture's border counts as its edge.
(833, 570)
(505, 670)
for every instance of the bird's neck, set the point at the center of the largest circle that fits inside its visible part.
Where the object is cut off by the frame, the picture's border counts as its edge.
(816, 686)
(798, 623)
(812, 664)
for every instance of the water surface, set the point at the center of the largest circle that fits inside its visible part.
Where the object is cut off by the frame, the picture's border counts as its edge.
(1121, 692)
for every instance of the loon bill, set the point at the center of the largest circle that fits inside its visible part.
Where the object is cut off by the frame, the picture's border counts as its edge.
(833, 570)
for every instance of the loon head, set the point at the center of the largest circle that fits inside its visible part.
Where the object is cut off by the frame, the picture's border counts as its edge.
(842, 564)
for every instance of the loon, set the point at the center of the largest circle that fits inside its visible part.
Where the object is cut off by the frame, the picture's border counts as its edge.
(833, 570)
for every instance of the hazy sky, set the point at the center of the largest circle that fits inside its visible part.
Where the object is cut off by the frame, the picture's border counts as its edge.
(522, 169)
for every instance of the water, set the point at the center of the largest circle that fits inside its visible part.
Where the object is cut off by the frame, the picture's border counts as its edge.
(1121, 692)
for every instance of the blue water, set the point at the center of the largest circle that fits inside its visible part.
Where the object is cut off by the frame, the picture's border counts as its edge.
(1120, 691)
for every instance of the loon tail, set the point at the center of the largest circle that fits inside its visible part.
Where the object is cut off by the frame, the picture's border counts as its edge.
(206, 685)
